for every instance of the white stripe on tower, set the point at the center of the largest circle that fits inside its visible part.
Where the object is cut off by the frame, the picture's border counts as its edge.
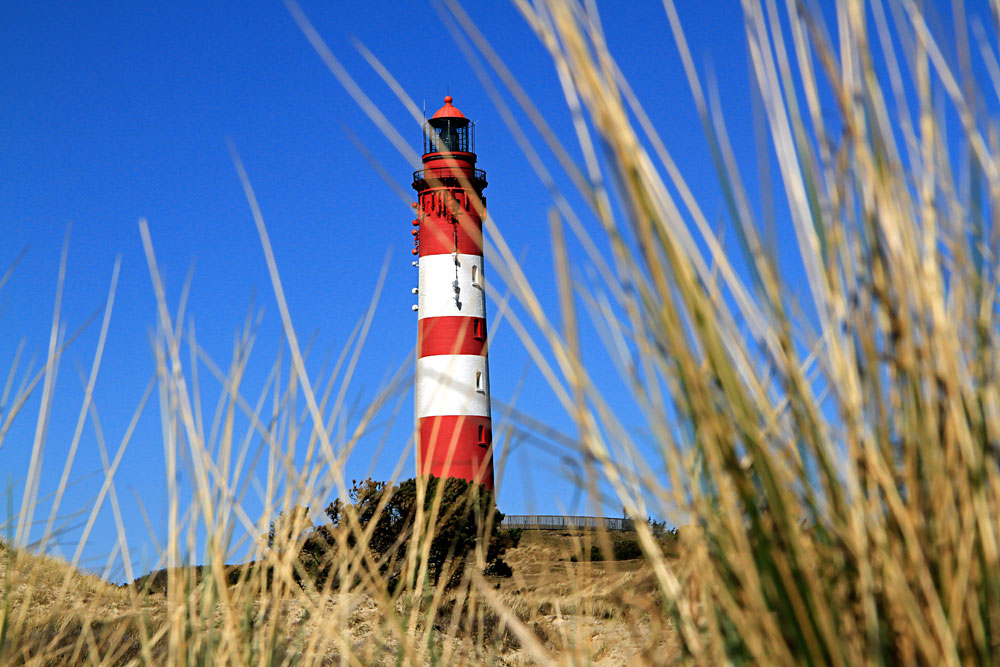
(436, 291)
(453, 384)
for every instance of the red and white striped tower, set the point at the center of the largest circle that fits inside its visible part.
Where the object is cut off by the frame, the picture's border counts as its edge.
(453, 386)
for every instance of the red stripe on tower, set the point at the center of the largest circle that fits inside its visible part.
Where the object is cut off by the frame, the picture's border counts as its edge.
(453, 389)
(452, 335)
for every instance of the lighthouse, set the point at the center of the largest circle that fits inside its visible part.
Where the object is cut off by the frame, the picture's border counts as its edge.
(454, 433)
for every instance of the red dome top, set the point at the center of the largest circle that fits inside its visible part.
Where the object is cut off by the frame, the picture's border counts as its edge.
(448, 111)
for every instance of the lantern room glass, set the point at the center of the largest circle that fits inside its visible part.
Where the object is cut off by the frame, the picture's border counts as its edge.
(449, 135)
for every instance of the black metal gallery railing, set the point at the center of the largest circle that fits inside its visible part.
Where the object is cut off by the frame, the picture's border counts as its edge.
(478, 176)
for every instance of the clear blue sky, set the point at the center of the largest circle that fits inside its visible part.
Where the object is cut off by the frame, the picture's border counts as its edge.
(110, 112)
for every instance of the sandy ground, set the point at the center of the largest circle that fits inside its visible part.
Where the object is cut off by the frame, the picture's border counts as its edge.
(599, 613)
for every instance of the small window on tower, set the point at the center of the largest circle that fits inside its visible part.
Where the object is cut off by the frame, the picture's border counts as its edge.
(482, 436)
(479, 328)
(479, 382)
(475, 275)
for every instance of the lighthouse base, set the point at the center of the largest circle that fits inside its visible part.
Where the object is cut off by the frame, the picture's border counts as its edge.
(456, 446)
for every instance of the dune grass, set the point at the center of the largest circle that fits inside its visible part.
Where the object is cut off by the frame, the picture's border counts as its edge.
(834, 460)
(839, 471)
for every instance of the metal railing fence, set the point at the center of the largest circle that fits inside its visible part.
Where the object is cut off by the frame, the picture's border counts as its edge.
(432, 173)
(556, 522)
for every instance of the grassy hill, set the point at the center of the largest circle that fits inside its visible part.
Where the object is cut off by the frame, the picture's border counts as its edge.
(599, 611)
(52, 614)
(576, 609)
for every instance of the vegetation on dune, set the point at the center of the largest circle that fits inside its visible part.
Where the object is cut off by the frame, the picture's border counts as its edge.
(549, 592)
(467, 528)
(833, 452)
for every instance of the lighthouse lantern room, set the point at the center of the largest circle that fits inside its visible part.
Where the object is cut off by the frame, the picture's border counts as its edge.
(454, 433)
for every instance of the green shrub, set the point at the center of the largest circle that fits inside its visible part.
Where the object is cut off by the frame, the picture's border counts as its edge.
(389, 513)
(624, 550)
(620, 550)
(499, 568)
